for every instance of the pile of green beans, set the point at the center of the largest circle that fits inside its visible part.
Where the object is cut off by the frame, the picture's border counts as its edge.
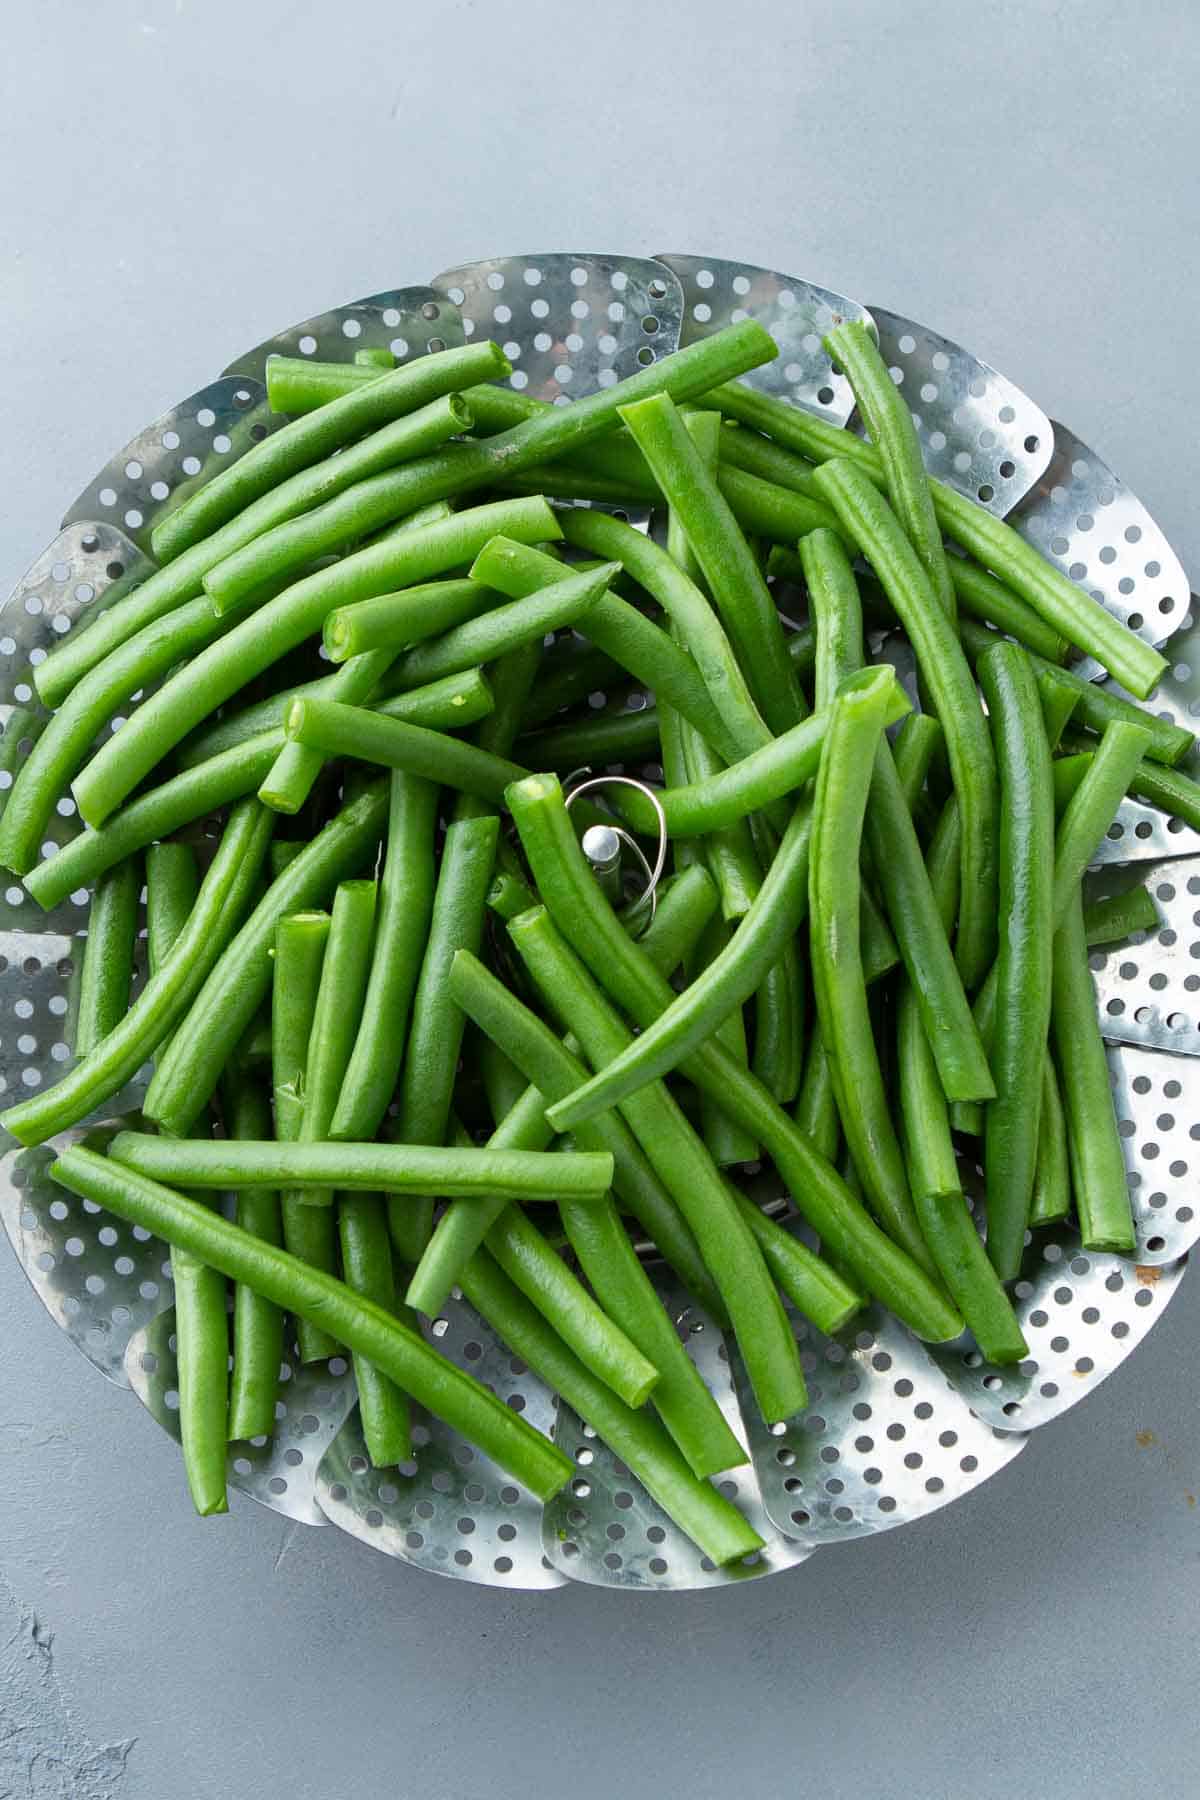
(396, 1012)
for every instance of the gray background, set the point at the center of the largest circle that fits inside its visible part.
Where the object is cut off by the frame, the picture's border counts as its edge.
(180, 178)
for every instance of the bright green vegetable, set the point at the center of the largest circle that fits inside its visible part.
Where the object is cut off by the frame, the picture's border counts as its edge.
(298, 445)
(505, 628)
(237, 981)
(394, 621)
(1097, 1163)
(1093, 806)
(257, 1322)
(890, 424)
(298, 957)
(984, 598)
(948, 680)
(676, 1153)
(1023, 972)
(362, 1326)
(436, 1025)
(367, 1263)
(224, 896)
(600, 740)
(401, 1168)
(108, 956)
(1052, 1178)
(1111, 920)
(255, 643)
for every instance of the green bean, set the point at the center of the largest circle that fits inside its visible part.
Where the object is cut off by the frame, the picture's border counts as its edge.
(813, 1287)
(405, 903)
(554, 1069)
(367, 1262)
(350, 731)
(459, 467)
(394, 621)
(673, 1150)
(258, 641)
(962, 1065)
(815, 1111)
(1022, 1014)
(963, 1264)
(289, 780)
(299, 384)
(64, 744)
(569, 890)
(1059, 602)
(22, 728)
(1092, 808)
(917, 742)
(344, 971)
(737, 587)
(257, 1323)
(757, 455)
(890, 424)
(541, 1275)
(374, 356)
(305, 441)
(509, 895)
(410, 1169)
(683, 1403)
(237, 981)
(685, 905)
(301, 940)
(989, 601)
(505, 628)
(447, 1391)
(837, 613)
(108, 956)
(163, 1001)
(172, 886)
(640, 647)
(1058, 700)
(839, 984)
(1111, 920)
(602, 739)
(1095, 706)
(167, 589)
(725, 1141)
(1174, 792)
(777, 515)
(638, 1439)
(1097, 1163)
(1052, 1179)
(944, 670)
(726, 983)
(436, 1025)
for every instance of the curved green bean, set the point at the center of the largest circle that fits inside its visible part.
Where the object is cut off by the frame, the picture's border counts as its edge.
(224, 896)
(890, 424)
(394, 621)
(367, 1265)
(447, 1391)
(813, 1287)
(108, 956)
(948, 679)
(1093, 806)
(236, 981)
(1022, 1015)
(504, 628)
(836, 610)
(989, 601)
(569, 890)
(1051, 1199)
(306, 440)
(298, 959)
(257, 1323)
(673, 1150)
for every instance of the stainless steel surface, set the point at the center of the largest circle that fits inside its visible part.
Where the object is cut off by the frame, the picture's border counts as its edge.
(451, 1510)
(594, 313)
(280, 1472)
(407, 321)
(606, 1530)
(979, 433)
(1149, 992)
(796, 313)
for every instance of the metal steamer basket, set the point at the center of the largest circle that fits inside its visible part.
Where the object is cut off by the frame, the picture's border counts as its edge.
(894, 1429)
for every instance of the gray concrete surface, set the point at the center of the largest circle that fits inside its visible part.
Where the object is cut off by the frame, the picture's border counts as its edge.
(182, 176)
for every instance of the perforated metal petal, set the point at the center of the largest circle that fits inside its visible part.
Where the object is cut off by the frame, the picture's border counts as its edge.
(451, 1510)
(1082, 517)
(1149, 991)
(797, 313)
(1082, 1312)
(605, 1529)
(409, 322)
(569, 323)
(1157, 1098)
(176, 455)
(100, 1279)
(979, 433)
(1142, 832)
(884, 1439)
(279, 1472)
